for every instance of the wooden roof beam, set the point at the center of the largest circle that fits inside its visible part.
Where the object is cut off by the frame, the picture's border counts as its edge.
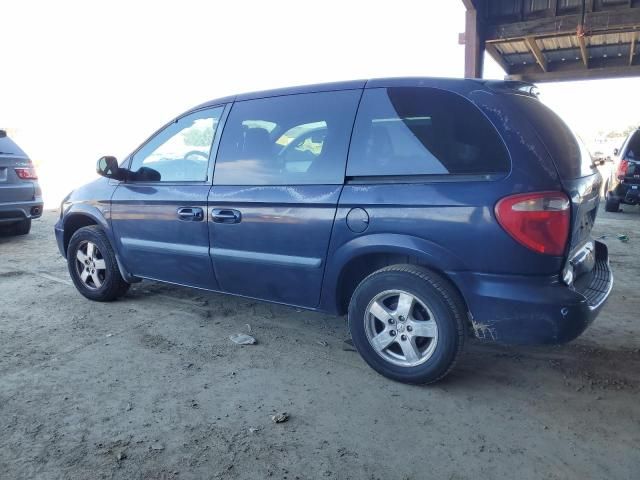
(537, 53)
(469, 4)
(583, 49)
(497, 56)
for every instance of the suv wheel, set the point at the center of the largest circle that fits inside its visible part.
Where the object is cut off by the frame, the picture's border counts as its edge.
(22, 228)
(612, 203)
(93, 266)
(407, 323)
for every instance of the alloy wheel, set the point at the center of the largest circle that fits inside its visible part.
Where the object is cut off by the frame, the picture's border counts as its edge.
(401, 328)
(90, 265)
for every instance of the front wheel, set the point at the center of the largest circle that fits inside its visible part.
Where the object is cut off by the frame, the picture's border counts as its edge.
(93, 266)
(407, 323)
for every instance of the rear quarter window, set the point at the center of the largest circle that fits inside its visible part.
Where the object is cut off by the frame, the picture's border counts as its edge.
(571, 157)
(8, 147)
(404, 131)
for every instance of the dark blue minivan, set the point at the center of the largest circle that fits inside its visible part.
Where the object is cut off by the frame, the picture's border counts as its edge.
(429, 210)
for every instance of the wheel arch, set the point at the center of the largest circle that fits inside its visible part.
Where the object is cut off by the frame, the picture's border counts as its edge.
(360, 257)
(84, 216)
(75, 221)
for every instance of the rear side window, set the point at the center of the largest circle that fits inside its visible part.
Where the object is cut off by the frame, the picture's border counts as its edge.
(423, 131)
(8, 147)
(571, 157)
(287, 140)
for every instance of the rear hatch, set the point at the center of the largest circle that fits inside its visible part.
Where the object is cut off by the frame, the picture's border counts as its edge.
(580, 180)
(12, 188)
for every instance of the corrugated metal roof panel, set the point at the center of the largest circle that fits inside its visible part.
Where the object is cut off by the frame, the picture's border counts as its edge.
(512, 47)
(611, 38)
(564, 55)
(520, 59)
(609, 51)
(557, 43)
(557, 48)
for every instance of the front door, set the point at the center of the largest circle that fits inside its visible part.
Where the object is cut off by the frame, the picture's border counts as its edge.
(159, 215)
(278, 178)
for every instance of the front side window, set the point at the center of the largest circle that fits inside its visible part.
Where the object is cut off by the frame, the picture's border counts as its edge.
(423, 131)
(180, 152)
(287, 140)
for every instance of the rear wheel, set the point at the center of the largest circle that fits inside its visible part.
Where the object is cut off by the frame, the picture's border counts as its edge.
(93, 266)
(407, 322)
(612, 203)
(22, 228)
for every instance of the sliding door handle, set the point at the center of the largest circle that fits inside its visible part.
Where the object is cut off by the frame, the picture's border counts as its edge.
(221, 215)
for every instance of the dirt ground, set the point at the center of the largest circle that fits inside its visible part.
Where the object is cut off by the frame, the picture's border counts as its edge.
(151, 387)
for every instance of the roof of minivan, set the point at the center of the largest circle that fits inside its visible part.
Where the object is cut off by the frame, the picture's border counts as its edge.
(455, 84)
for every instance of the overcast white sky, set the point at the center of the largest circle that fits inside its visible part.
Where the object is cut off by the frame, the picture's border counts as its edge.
(81, 79)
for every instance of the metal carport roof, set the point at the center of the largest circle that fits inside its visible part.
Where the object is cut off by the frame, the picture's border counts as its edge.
(554, 40)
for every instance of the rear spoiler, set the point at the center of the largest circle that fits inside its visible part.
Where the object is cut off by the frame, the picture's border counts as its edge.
(513, 86)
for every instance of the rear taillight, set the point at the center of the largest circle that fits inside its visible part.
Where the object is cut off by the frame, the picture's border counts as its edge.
(539, 221)
(27, 173)
(623, 166)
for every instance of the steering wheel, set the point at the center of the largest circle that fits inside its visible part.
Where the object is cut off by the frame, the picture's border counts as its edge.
(196, 153)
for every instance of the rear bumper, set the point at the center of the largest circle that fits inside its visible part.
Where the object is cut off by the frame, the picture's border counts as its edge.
(627, 193)
(16, 211)
(532, 310)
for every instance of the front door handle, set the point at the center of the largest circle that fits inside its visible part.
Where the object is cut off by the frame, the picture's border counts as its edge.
(191, 214)
(222, 215)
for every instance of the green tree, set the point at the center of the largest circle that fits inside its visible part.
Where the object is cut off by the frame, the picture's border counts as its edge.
(198, 137)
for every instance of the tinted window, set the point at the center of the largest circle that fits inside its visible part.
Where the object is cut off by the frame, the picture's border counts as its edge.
(570, 156)
(287, 140)
(180, 152)
(423, 131)
(8, 147)
(633, 147)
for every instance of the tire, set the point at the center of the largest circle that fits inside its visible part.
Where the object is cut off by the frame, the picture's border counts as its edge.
(428, 358)
(94, 270)
(612, 204)
(22, 228)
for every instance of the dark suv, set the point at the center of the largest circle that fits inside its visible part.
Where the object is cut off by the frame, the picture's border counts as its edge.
(623, 186)
(429, 210)
(20, 195)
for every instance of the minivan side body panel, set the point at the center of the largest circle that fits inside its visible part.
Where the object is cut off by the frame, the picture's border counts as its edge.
(153, 242)
(271, 220)
(277, 251)
(293, 242)
(514, 295)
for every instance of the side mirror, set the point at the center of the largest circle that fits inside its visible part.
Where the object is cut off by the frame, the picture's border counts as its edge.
(616, 151)
(3, 134)
(108, 167)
